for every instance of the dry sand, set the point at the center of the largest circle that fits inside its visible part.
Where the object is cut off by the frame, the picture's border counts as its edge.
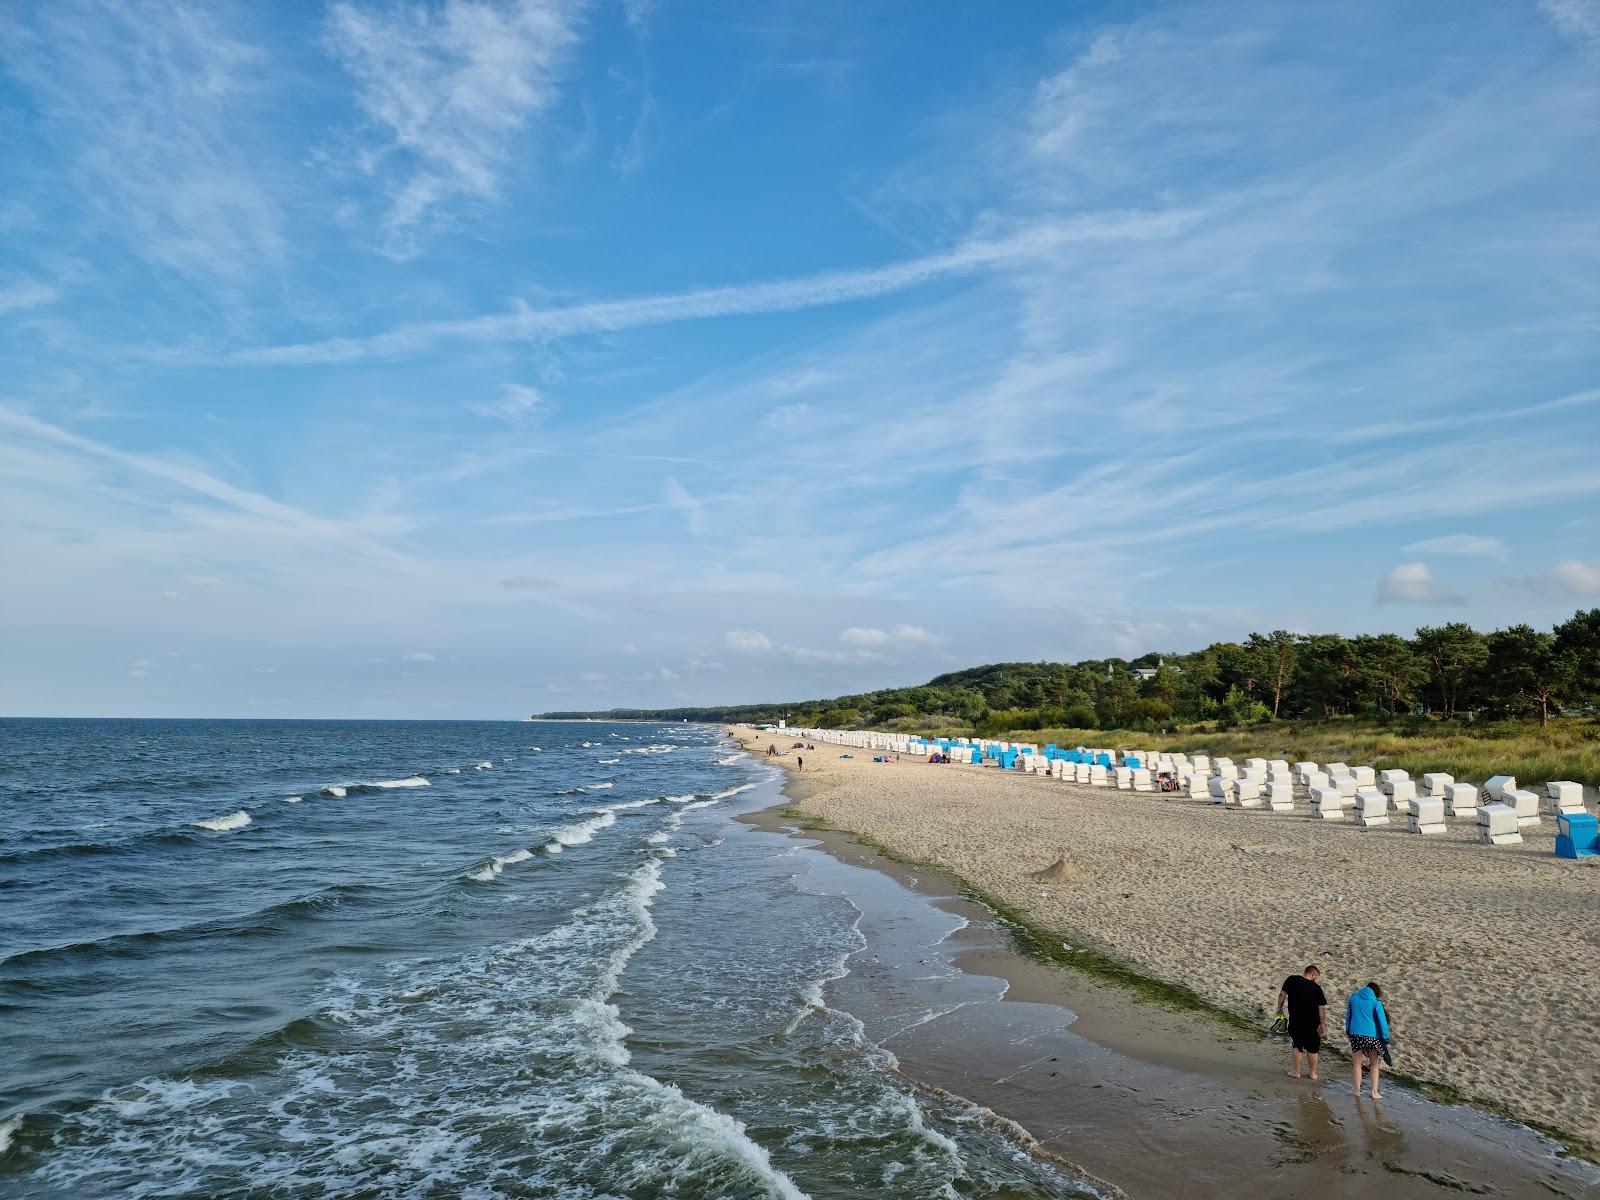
(1487, 955)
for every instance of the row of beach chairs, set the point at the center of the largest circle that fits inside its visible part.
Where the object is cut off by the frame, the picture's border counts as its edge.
(1334, 791)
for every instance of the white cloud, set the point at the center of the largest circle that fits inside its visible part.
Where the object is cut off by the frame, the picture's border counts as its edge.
(748, 640)
(1578, 21)
(593, 677)
(907, 635)
(677, 496)
(518, 404)
(1463, 544)
(1413, 583)
(19, 296)
(266, 670)
(525, 323)
(863, 637)
(451, 88)
(1578, 578)
(419, 656)
(158, 101)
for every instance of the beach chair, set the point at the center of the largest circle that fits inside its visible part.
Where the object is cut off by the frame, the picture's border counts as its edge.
(1563, 796)
(1434, 784)
(1141, 780)
(1327, 804)
(1280, 797)
(1461, 800)
(1372, 808)
(1303, 769)
(1401, 792)
(1525, 803)
(1389, 778)
(1577, 835)
(1247, 793)
(1497, 825)
(1314, 779)
(1425, 815)
(1494, 791)
(1365, 777)
(1221, 788)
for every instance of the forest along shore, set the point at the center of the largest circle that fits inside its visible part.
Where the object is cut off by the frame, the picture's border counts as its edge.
(1482, 951)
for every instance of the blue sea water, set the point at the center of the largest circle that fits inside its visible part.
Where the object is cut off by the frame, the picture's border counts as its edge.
(436, 959)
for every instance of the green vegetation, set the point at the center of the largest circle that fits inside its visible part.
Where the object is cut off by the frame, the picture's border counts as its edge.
(1450, 698)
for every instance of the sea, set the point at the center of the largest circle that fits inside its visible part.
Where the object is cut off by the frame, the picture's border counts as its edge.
(444, 959)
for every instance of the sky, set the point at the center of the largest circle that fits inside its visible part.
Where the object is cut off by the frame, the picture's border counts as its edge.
(477, 358)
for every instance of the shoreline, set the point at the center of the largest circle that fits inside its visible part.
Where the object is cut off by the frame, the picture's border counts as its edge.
(1130, 1015)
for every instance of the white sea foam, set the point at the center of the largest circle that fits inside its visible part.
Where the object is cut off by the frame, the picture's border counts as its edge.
(453, 771)
(535, 749)
(483, 766)
(293, 799)
(410, 781)
(730, 761)
(733, 791)
(8, 1130)
(584, 831)
(600, 787)
(684, 799)
(335, 791)
(699, 804)
(234, 820)
(655, 839)
(608, 762)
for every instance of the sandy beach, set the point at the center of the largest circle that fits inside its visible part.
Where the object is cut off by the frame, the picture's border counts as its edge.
(1484, 952)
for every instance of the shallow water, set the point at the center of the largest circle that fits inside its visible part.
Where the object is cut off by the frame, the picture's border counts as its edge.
(436, 959)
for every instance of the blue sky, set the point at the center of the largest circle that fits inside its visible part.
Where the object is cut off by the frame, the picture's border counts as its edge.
(481, 358)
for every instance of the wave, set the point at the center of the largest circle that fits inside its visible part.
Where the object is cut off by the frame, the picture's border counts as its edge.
(583, 831)
(732, 760)
(453, 771)
(608, 762)
(483, 766)
(375, 785)
(233, 820)
(490, 870)
(293, 799)
(8, 1130)
(699, 804)
(600, 787)
(631, 804)
(733, 791)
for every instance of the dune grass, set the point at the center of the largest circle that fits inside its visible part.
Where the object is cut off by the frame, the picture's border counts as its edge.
(1568, 748)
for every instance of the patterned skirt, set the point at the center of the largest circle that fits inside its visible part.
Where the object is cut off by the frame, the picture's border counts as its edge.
(1360, 1042)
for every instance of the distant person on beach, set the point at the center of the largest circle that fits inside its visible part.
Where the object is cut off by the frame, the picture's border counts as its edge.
(1308, 1016)
(799, 763)
(771, 749)
(1367, 1026)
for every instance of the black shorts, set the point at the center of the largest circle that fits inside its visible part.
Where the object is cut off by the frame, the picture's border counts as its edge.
(1308, 1039)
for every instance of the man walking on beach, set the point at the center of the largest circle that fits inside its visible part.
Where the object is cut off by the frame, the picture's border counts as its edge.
(1308, 1016)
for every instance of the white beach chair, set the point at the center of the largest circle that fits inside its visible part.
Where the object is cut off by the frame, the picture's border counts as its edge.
(1526, 805)
(1401, 792)
(1372, 808)
(1280, 797)
(1434, 783)
(1247, 793)
(1497, 825)
(1494, 791)
(1461, 800)
(1563, 796)
(1425, 815)
(1327, 804)
(1221, 789)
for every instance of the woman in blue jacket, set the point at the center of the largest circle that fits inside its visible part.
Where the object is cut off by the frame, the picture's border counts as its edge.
(1367, 1026)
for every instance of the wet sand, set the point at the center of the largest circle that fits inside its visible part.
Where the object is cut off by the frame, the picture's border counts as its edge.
(1156, 1101)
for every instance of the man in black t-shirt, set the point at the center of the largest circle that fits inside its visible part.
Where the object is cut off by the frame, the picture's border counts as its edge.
(1308, 1016)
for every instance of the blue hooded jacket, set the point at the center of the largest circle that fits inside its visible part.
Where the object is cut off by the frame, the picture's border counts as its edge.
(1365, 1017)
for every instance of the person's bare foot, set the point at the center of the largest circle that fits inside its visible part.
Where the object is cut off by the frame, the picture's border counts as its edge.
(1292, 1074)
(1314, 1076)
(1377, 1095)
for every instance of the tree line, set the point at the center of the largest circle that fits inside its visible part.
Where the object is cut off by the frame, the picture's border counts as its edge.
(1452, 671)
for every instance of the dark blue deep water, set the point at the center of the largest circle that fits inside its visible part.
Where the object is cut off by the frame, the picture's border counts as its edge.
(433, 959)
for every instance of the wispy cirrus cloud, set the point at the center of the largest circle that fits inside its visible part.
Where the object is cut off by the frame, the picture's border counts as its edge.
(157, 106)
(525, 323)
(450, 90)
(1460, 543)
